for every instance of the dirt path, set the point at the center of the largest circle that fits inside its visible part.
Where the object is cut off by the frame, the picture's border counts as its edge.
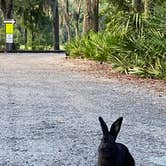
(50, 107)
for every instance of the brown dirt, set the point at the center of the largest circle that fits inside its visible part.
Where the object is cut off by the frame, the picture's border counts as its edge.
(105, 71)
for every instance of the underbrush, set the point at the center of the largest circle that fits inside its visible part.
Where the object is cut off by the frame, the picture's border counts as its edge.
(137, 47)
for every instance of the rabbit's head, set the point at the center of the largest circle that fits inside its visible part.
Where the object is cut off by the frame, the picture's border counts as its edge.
(107, 147)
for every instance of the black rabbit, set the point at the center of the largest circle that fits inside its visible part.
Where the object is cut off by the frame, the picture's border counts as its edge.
(110, 152)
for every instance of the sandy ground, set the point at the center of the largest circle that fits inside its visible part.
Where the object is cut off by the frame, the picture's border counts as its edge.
(49, 109)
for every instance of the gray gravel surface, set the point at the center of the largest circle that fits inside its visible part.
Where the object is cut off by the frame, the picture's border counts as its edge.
(49, 115)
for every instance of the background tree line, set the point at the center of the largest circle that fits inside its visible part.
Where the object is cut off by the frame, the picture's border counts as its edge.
(129, 34)
(40, 22)
(36, 22)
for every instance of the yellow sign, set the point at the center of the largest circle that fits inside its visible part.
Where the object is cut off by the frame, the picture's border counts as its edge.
(9, 28)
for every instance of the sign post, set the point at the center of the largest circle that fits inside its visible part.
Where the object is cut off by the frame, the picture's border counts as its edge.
(9, 26)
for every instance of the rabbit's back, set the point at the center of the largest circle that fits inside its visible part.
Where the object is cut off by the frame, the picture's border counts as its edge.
(123, 156)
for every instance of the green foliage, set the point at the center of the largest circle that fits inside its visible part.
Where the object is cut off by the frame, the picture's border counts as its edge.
(132, 43)
(34, 28)
(144, 56)
(146, 53)
(93, 46)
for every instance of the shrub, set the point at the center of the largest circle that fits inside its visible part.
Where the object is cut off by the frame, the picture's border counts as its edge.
(135, 44)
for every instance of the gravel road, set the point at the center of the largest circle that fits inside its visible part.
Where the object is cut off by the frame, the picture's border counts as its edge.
(49, 114)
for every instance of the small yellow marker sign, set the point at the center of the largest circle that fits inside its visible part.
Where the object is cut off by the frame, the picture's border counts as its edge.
(9, 28)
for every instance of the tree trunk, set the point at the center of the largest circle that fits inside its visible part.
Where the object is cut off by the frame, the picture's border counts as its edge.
(7, 8)
(77, 16)
(55, 12)
(29, 39)
(25, 38)
(137, 6)
(77, 25)
(91, 14)
(148, 7)
(87, 16)
(67, 18)
(95, 15)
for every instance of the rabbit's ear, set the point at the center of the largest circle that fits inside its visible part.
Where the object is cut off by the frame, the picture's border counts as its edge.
(115, 128)
(103, 127)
